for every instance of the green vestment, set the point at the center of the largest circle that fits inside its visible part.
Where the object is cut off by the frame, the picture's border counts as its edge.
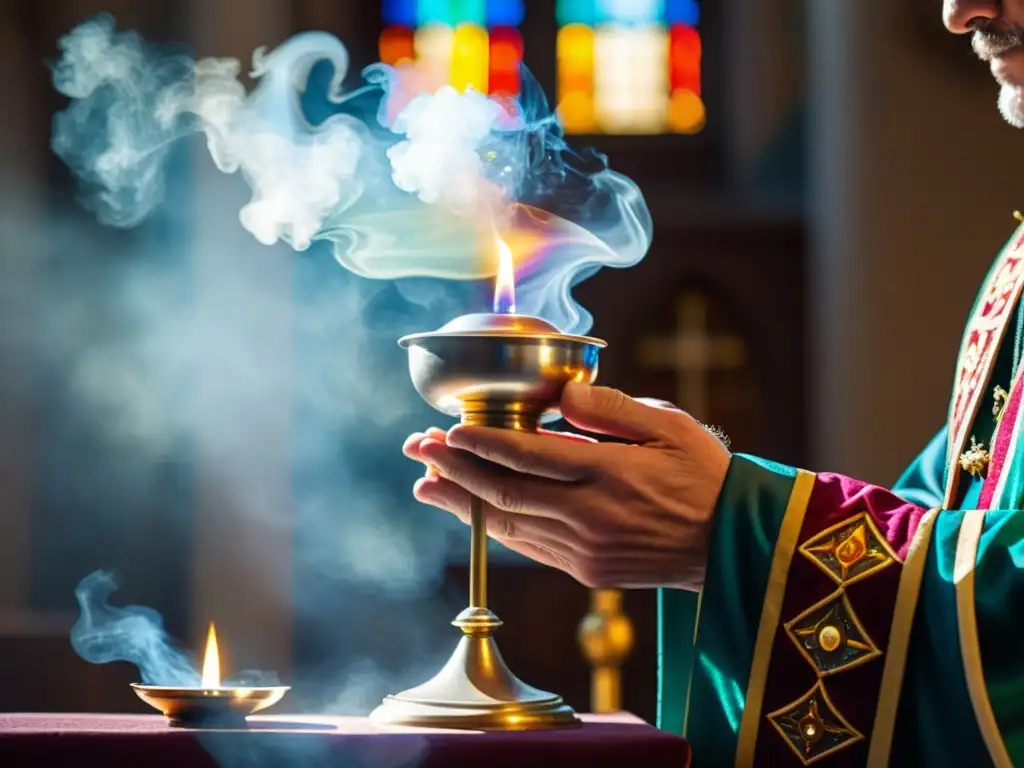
(845, 624)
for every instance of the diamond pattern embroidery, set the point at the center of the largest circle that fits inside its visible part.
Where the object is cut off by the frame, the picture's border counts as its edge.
(813, 727)
(851, 550)
(830, 636)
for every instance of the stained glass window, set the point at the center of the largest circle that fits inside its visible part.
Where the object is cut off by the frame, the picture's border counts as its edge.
(466, 43)
(629, 66)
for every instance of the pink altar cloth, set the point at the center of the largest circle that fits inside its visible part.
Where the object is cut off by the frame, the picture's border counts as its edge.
(146, 741)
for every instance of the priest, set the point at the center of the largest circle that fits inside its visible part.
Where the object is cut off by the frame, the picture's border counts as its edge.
(840, 623)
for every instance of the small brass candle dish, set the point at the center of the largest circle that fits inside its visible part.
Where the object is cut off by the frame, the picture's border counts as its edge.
(209, 707)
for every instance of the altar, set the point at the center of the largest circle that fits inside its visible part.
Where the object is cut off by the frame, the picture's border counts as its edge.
(111, 741)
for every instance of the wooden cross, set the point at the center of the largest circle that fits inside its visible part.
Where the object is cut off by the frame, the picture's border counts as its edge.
(693, 354)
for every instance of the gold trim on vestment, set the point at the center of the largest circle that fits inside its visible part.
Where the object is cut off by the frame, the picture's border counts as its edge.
(899, 643)
(966, 615)
(771, 611)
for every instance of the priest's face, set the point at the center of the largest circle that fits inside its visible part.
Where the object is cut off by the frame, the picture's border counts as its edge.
(997, 30)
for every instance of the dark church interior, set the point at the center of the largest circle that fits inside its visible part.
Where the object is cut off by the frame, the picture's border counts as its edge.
(219, 422)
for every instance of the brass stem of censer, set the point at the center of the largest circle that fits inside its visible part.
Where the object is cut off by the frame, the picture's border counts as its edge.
(506, 371)
(524, 422)
(477, 554)
(606, 636)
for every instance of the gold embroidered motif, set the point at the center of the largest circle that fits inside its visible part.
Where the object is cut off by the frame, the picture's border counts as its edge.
(850, 550)
(831, 637)
(975, 459)
(999, 398)
(853, 548)
(813, 727)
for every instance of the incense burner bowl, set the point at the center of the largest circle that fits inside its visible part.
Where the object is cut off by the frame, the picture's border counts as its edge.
(501, 370)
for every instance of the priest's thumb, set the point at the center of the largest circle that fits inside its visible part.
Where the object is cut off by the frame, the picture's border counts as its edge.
(606, 411)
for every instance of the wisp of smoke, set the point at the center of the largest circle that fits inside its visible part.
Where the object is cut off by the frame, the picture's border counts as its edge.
(401, 181)
(134, 633)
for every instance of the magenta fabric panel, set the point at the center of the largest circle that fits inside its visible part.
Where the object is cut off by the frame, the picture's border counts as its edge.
(1000, 447)
(837, 498)
(116, 741)
(837, 501)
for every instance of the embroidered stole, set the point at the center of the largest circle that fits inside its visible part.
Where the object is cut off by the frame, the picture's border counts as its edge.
(991, 317)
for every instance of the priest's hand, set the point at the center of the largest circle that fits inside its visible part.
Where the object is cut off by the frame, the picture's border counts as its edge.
(608, 514)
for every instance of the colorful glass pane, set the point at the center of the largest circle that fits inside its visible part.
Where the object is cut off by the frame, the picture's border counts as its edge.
(433, 47)
(575, 52)
(465, 43)
(630, 79)
(434, 12)
(400, 12)
(505, 13)
(506, 55)
(469, 12)
(470, 54)
(686, 113)
(684, 55)
(396, 45)
(575, 12)
(624, 12)
(629, 66)
(682, 12)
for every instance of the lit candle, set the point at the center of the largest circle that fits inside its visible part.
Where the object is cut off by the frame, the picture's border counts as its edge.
(211, 661)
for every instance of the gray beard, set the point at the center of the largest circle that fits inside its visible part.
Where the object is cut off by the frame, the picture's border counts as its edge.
(1011, 105)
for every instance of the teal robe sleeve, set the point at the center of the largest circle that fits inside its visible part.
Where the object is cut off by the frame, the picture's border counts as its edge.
(924, 481)
(840, 624)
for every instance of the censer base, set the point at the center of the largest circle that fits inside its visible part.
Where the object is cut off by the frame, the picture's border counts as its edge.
(475, 691)
(515, 716)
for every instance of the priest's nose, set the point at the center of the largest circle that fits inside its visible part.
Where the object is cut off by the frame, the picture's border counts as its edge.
(963, 16)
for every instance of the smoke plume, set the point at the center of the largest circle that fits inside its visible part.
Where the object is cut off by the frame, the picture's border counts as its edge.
(401, 182)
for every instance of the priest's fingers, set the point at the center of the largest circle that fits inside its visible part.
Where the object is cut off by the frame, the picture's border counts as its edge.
(567, 436)
(567, 460)
(507, 491)
(656, 403)
(411, 446)
(610, 412)
(542, 555)
(514, 531)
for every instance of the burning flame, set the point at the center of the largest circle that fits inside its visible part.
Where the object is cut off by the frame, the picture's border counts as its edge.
(505, 282)
(211, 662)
